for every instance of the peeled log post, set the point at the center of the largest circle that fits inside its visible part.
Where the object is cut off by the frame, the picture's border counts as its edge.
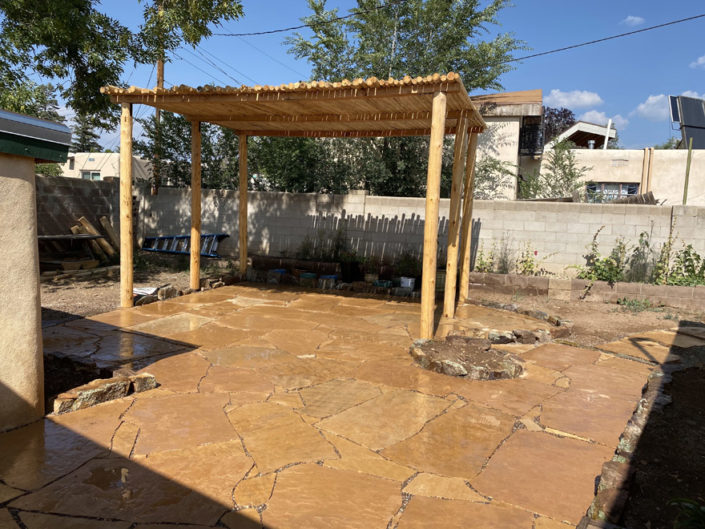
(466, 229)
(195, 265)
(242, 194)
(430, 236)
(454, 219)
(126, 249)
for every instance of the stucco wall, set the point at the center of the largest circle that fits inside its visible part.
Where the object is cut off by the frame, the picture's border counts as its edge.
(501, 141)
(667, 173)
(21, 362)
(107, 163)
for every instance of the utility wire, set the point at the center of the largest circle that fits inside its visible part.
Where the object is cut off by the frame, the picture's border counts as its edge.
(273, 58)
(565, 48)
(302, 26)
(228, 65)
(200, 69)
(210, 63)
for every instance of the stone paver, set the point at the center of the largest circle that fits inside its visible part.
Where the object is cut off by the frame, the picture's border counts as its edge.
(285, 408)
(422, 513)
(314, 497)
(545, 474)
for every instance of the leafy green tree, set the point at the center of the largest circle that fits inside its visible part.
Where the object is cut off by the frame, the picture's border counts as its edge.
(561, 176)
(493, 178)
(219, 161)
(84, 137)
(73, 42)
(415, 37)
(670, 143)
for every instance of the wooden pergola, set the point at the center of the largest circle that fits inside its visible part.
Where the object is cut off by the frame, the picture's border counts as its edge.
(423, 106)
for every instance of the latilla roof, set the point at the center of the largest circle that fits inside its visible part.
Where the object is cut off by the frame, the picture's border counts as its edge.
(362, 107)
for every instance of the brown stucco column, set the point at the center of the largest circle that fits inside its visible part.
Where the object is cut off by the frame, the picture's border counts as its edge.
(21, 361)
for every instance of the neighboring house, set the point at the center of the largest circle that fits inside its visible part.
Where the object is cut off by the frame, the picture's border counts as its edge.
(586, 135)
(101, 165)
(515, 131)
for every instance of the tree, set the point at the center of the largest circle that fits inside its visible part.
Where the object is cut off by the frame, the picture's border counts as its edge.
(492, 178)
(560, 176)
(73, 42)
(84, 137)
(219, 161)
(670, 143)
(395, 39)
(555, 121)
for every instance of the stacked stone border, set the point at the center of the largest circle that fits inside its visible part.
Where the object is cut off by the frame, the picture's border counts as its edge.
(690, 298)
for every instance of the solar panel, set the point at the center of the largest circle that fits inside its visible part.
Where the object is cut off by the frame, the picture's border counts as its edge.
(690, 113)
(675, 115)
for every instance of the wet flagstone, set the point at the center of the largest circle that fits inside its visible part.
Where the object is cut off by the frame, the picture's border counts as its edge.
(49, 521)
(180, 421)
(320, 498)
(456, 444)
(6, 520)
(422, 513)
(387, 419)
(285, 408)
(544, 474)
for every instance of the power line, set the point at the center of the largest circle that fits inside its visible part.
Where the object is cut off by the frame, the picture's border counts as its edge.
(273, 58)
(565, 48)
(200, 69)
(332, 20)
(210, 63)
(228, 65)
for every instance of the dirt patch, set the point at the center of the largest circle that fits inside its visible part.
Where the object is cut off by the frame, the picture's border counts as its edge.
(463, 356)
(669, 462)
(596, 323)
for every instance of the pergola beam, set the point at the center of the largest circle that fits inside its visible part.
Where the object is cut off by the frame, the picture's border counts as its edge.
(466, 230)
(242, 193)
(430, 234)
(126, 249)
(454, 220)
(195, 264)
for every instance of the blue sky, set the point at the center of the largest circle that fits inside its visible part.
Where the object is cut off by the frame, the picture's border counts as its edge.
(626, 79)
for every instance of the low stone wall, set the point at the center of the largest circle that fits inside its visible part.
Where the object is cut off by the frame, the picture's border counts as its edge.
(691, 298)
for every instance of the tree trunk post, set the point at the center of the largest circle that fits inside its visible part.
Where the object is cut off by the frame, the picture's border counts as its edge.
(454, 218)
(466, 230)
(126, 242)
(242, 195)
(195, 265)
(430, 237)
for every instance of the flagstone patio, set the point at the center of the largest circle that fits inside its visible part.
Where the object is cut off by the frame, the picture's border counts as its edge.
(287, 409)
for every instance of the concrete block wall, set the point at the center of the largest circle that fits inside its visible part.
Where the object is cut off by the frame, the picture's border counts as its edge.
(61, 201)
(278, 223)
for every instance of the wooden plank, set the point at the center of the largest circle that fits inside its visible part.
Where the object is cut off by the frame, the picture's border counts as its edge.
(195, 264)
(112, 236)
(93, 243)
(341, 134)
(126, 248)
(242, 193)
(466, 229)
(90, 229)
(456, 189)
(374, 117)
(430, 238)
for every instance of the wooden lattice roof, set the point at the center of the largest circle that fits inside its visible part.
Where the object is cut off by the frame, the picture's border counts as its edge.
(362, 107)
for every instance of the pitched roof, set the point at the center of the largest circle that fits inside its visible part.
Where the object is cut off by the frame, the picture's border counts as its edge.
(362, 107)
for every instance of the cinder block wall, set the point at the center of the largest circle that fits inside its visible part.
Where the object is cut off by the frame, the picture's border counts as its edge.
(278, 223)
(61, 201)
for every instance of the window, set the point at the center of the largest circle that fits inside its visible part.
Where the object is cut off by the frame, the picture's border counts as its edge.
(609, 191)
(72, 161)
(90, 175)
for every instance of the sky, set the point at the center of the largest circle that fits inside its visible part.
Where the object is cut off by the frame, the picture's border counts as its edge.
(627, 79)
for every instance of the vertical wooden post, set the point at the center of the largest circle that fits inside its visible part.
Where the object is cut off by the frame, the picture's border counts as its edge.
(454, 218)
(652, 151)
(242, 194)
(195, 266)
(466, 229)
(126, 249)
(644, 169)
(430, 233)
(687, 171)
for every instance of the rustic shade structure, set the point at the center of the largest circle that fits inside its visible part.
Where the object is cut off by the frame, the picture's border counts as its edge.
(423, 106)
